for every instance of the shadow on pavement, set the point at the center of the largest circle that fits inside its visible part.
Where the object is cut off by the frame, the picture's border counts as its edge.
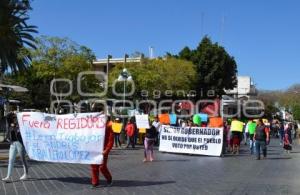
(116, 183)
(278, 158)
(273, 153)
(172, 160)
(298, 152)
(135, 183)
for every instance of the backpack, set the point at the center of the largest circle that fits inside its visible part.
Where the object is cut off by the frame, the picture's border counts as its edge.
(260, 133)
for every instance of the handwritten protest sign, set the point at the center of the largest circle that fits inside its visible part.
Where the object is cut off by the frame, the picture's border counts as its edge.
(142, 130)
(173, 119)
(63, 138)
(215, 122)
(164, 119)
(197, 119)
(195, 140)
(142, 121)
(204, 117)
(117, 127)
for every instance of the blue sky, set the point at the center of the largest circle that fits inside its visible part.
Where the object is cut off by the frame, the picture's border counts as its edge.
(262, 35)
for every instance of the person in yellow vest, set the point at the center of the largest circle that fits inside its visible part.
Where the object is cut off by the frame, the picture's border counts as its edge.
(236, 129)
(117, 136)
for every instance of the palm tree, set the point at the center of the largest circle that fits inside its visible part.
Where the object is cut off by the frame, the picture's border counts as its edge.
(15, 35)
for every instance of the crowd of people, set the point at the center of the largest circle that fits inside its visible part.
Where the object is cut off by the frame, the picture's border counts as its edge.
(255, 133)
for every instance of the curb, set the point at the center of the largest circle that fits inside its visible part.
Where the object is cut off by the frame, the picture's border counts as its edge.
(6, 157)
(3, 158)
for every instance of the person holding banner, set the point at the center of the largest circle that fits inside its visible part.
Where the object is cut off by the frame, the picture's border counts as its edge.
(108, 144)
(149, 143)
(16, 145)
(157, 126)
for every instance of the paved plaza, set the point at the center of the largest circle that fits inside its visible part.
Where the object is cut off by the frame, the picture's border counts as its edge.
(168, 174)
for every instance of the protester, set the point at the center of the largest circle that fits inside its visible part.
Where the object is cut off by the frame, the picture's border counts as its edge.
(261, 137)
(226, 131)
(236, 135)
(275, 129)
(16, 146)
(250, 129)
(267, 125)
(286, 143)
(136, 133)
(229, 136)
(245, 135)
(183, 123)
(130, 132)
(236, 141)
(190, 123)
(157, 126)
(108, 144)
(288, 130)
(203, 124)
(296, 130)
(149, 143)
(117, 135)
(281, 132)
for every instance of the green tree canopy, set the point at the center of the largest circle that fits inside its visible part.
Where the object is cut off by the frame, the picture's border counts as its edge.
(15, 35)
(56, 58)
(288, 99)
(216, 69)
(158, 76)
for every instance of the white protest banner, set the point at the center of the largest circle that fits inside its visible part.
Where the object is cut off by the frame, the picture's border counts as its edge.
(191, 140)
(63, 138)
(142, 121)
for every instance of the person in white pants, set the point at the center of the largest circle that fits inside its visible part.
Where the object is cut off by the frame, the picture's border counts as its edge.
(16, 146)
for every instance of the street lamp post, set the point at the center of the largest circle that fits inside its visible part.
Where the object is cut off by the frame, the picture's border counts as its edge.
(124, 76)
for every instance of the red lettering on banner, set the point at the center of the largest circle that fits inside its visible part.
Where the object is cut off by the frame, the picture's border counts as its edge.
(72, 124)
(100, 123)
(25, 115)
(47, 125)
(66, 123)
(86, 122)
(59, 125)
(31, 124)
(90, 123)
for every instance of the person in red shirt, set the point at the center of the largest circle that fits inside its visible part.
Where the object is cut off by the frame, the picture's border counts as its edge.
(108, 144)
(130, 132)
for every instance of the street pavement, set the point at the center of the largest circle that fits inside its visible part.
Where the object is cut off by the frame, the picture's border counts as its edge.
(168, 174)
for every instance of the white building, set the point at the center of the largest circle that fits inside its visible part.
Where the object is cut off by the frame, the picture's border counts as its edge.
(233, 100)
(245, 88)
(106, 64)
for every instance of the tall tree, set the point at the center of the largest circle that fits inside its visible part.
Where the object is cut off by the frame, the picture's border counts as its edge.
(15, 35)
(158, 78)
(216, 69)
(56, 58)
